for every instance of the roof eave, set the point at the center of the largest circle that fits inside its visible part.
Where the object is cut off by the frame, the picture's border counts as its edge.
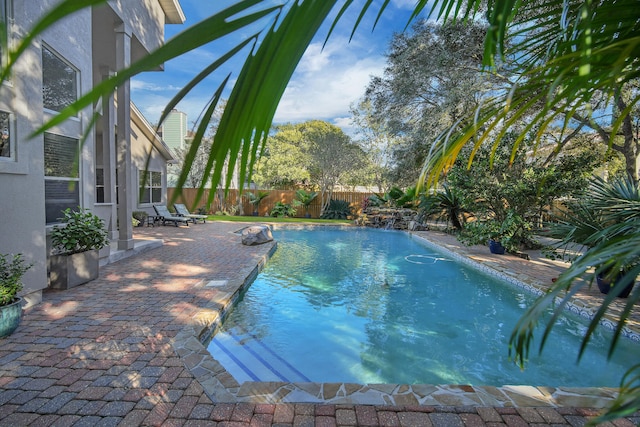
(172, 11)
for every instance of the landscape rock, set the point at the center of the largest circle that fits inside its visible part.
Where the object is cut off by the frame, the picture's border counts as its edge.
(256, 235)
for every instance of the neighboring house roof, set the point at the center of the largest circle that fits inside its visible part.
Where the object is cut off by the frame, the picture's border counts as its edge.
(151, 134)
(173, 11)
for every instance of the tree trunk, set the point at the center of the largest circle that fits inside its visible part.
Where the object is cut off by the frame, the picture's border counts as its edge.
(631, 148)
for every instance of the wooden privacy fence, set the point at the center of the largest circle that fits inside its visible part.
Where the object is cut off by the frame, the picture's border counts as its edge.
(229, 203)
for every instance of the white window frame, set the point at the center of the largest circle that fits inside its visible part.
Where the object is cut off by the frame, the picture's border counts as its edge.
(149, 187)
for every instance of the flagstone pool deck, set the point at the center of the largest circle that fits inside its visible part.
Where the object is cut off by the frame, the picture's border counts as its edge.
(125, 349)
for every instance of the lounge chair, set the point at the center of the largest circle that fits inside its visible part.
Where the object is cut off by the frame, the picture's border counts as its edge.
(181, 210)
(165, 216)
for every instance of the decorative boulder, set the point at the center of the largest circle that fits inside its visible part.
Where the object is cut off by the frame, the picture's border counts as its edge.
(256, 235)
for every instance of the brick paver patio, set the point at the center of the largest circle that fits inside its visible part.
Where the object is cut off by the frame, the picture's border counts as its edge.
(101, 354)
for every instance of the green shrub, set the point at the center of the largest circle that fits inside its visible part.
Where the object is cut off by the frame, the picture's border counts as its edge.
(282, 210)
(11, 272)
(373, 200)
(337, 209)
(444, 205)
(83, 231)
(514, 233)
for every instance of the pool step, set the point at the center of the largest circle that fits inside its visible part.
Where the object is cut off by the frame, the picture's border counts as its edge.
(247, 358)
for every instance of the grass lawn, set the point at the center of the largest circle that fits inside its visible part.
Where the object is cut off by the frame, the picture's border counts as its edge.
(271, 219)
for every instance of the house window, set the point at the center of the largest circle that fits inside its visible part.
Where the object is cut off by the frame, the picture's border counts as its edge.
(7, 145)
(61, 175)
(150, 187)
(59, 81)
(99, 185)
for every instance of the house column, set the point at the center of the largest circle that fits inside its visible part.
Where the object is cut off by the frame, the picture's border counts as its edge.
(109, 157)
(126, 190)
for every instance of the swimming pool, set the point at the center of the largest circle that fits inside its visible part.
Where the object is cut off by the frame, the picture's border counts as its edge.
(372, 306)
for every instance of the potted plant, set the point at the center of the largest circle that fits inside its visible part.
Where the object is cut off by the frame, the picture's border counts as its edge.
(12, 268)
(495, 247)
(484, 233)
(255, 199)
(508, 235)
(304, 199)
(139, 218)
(76, 244)
(592, 221)
(606, 278)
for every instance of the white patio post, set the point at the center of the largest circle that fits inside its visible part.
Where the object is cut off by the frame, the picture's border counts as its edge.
(123, 153)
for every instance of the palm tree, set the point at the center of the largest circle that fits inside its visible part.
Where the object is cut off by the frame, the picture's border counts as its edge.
(572, 53)
(445, 205)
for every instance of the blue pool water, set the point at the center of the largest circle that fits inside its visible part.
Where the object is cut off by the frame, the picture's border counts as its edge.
(373, 306)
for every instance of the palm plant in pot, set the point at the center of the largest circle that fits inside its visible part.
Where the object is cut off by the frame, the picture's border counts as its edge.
(606, 213)
(255, 199)
(12, 268)
(139, 218)
(509, 234)
(76, 244)
(304, 199)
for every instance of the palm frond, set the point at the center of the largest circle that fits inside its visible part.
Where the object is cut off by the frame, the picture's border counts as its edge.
(60, 11)
(628, 400)
(610, 254)
(234, 19)
(251, 106)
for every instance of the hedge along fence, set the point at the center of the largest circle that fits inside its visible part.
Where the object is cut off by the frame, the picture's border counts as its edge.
(230, 202)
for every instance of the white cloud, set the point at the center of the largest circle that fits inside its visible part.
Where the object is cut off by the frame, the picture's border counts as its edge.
(346, 124)
(137, 84)
(327, 82)
(404, 4)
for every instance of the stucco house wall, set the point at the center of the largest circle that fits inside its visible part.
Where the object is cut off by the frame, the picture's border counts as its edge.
(147, 142)
(94, 51)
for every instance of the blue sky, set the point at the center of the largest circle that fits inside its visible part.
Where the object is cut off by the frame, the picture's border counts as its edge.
(326, 82)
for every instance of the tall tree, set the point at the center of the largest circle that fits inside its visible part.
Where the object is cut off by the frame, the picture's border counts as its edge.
(196, 171)
(332, 155)
(432, 80)
(284, 159)
(314, 153)
(378, 143)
